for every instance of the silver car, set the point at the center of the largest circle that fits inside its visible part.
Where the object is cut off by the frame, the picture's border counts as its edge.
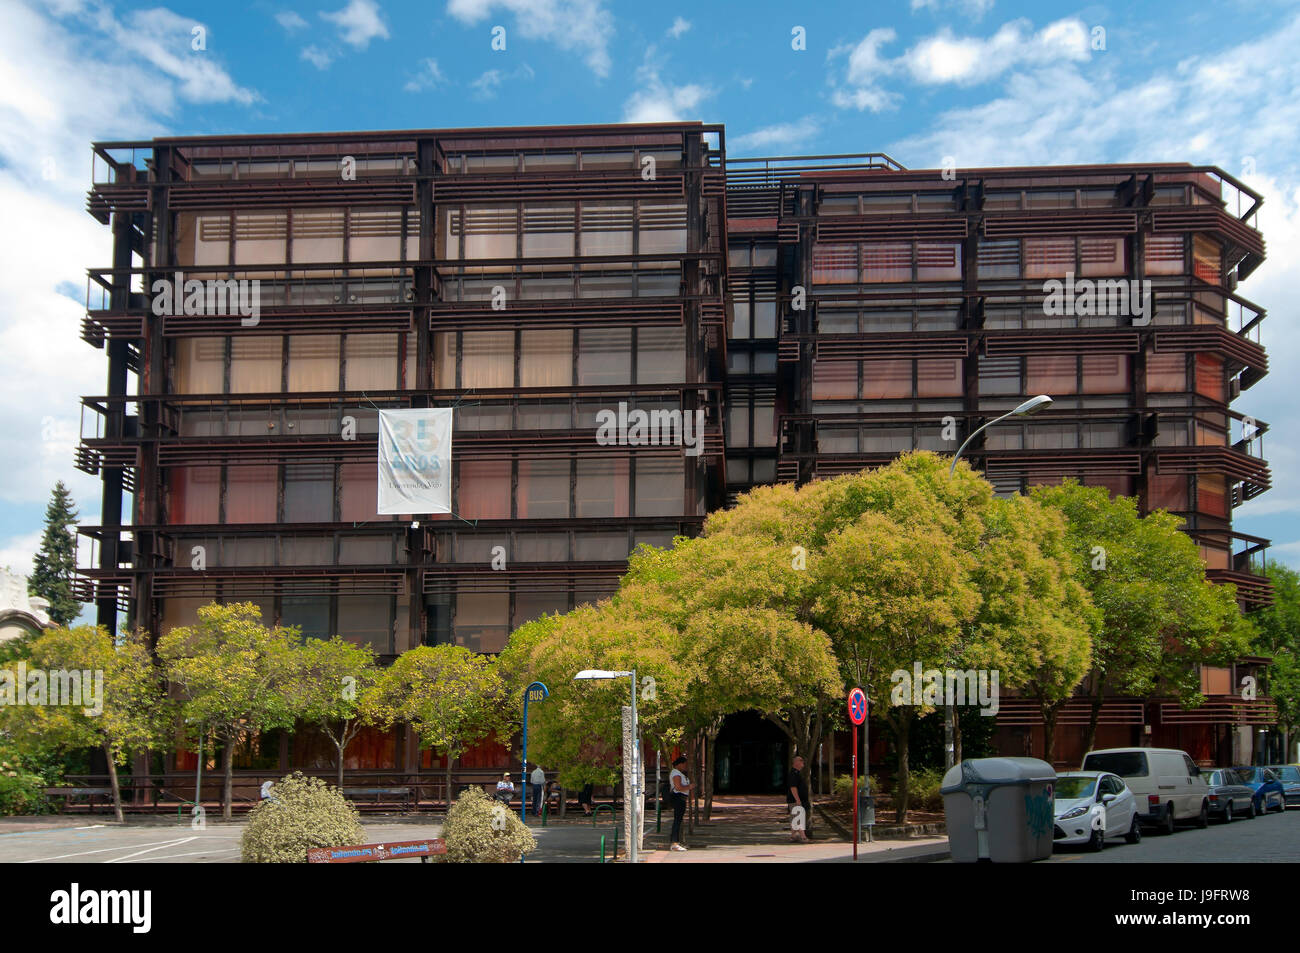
(1229, 795)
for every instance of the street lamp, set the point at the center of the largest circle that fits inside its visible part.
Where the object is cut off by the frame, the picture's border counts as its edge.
(1030, 407)
(598, 674)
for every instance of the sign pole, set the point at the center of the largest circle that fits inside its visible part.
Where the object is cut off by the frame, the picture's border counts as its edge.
(857, 715)
(542, 693)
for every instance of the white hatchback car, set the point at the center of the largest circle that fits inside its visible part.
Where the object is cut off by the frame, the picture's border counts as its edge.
(1092, 806)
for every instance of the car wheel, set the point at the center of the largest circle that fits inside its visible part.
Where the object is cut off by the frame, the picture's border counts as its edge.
(1167, 827)
(1203, 819)
(1251, 812)
(1227, 813)
(1134, 835)
(1097, 841)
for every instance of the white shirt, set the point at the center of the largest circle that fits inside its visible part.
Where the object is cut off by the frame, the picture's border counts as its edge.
(504, 785)
(539, 777)
(685, 785)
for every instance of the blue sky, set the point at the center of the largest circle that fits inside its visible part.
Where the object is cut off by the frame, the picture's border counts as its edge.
(987, 82)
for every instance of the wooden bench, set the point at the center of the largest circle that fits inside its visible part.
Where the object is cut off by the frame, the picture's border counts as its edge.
(402, 795)
(89, 793)
(364, 853)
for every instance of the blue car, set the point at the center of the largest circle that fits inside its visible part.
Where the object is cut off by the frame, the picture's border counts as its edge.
(1269, 793)
(1289, 775)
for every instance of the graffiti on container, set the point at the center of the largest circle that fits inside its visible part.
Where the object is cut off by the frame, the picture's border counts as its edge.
(1038, 812)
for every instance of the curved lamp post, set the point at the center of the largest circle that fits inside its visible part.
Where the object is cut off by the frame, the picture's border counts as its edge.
(1030, 407)
(597, 674)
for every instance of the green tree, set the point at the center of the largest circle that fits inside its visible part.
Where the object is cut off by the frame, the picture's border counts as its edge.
(1278, 637)
(1161, 619)
(233, 675)
(56, 561)
(122, 709)
(450, 696)
(331, 684)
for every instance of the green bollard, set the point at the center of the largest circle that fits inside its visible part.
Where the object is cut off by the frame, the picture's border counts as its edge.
(602, 848)
(546, 806)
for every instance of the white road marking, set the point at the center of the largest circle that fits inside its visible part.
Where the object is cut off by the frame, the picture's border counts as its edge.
(148, 860)
(150, 850)
(100, 850)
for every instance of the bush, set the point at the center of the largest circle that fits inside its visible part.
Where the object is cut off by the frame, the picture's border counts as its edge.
(843, 790)
(301, 813)
(477, 833)
(22, 785)
(923, 788)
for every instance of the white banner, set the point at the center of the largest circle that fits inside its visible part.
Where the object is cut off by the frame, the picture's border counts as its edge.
(415, 461)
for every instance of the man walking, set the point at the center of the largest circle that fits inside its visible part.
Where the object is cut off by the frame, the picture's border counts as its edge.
(796, 795)
(538, 780)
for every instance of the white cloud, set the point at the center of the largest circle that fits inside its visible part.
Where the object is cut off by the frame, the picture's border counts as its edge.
(358, 23)
(164, 40)
(659, 101)
(679, 27)
(948, 58)
(489, 82)
(317, 57)
(785, 134)
(428, 77)
(17, 552)
(583, 26)
(290, 21)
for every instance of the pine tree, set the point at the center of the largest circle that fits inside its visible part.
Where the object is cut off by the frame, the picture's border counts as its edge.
(57, 559)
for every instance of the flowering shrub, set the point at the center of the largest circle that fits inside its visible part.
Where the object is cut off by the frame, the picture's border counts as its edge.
(301, 813)
(480, 830)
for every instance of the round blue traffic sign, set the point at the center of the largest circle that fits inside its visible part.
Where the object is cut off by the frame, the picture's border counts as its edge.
(857, 706)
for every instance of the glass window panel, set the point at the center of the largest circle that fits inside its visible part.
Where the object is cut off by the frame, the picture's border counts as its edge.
(738, 425)
(202, 239)
(740, 322)
(600, 547)
(546, 358)
(606, 228)
(358, 493)
(1105, 373)
(1048, 257)
(313, 362)
(999, 259)
(311, 614)
(605, 356)
(534, 605)
(662, 227)
(1167, 373)
(444, 360)
(602, 487)
(481, 622)
(317, 236)
(1051, 374)
(1206, 259)
(660, 486)
(366, 550)
(834, 379)
(548, 231)
(255, 364)
(884, 379)
(200, 365)
(1209, 377)
(661, 355)
(366, 620)
(543, 489)
(370, 362)
(306, 551)
(1101, 256)
(939, 378)
(375, 234)
(938, 261)
(1211, 494)
(490, 231)
(309, 493)
(1164, 254)
(1167, 492)
(260, 238)
(764, 426)
(737, 470)
(194, 495)
(765, 362)
(487, 359)
(836, 264)
(764, 319)
(484, 489)
(887, 261)
(999, 376)
(541, 547)
(1041, 436)
(251, 494)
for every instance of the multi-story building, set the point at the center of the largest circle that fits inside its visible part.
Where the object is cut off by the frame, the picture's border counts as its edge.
(825, 314)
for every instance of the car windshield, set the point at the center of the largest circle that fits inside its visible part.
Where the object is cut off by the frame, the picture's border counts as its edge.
(1251, 775)
(1215, 778)
(1067, 789)
(1288, 772)
(1127, 764)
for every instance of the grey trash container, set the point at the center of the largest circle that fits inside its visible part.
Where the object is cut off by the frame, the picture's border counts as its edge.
(999, 809)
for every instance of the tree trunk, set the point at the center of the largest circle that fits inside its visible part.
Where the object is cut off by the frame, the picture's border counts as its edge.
(228, 768)
(901, 732)
(1049, 733)
(340, 746)
(1090, 737)
(710, 753)
(448, 782)
(956, 735)
(113, 782)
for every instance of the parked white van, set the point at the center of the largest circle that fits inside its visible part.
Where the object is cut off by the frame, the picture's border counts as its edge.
(1167, 783)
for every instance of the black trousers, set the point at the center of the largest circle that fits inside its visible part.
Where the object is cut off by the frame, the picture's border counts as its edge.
(679, 811)
(537, 798)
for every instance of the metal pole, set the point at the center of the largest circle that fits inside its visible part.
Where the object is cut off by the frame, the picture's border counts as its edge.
(523, 799)
(659, 801)
(855, 792)
(198, 772)
(636, 778)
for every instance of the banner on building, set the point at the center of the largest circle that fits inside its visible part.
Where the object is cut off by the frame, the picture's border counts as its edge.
(415, 461)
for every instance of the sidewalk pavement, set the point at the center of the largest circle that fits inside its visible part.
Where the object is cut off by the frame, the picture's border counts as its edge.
(918, 850)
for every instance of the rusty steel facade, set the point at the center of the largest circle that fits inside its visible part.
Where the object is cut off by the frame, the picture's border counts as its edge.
(824, 313)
